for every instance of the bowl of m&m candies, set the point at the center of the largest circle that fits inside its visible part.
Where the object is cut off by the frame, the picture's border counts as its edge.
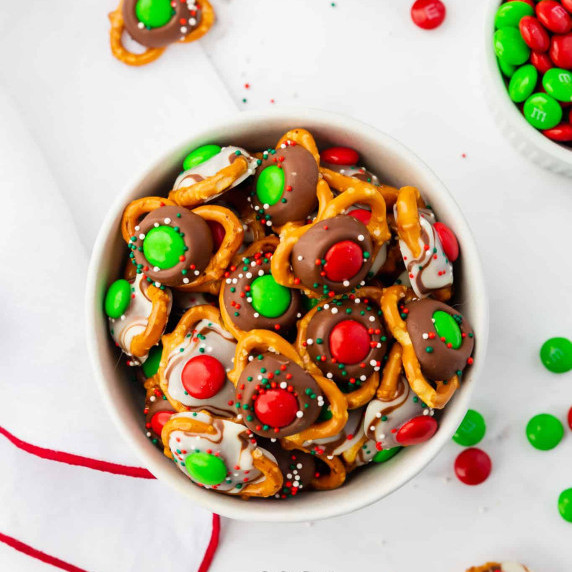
(529, 79)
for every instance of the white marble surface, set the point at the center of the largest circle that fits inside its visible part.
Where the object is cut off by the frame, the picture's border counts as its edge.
(364, 58)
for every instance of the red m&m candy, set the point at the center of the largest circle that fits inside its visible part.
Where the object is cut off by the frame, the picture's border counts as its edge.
(428, 14)
(362, 215)
(340, 156)
(218, 233)
(417, 430)
(276, 407)
(343, 261)
(448, 240)
(567, 4)
(562, 133)
(349, 342)
(203, 376)
(159, 419)
(561, 51)
(473, 466)
(570, 418)
(554, 17)
(541, 62)
(534, 35)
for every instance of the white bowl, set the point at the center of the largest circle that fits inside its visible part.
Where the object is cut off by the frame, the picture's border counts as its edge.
(525, 138)
(394, 164)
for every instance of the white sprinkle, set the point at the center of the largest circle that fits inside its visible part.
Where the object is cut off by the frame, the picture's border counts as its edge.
(241, 275)
(141, 236)
(378, 415)
(249, 300)
(283, 385)
(346, 283)
(192, 21)
(186, 280)
(362, 377)
(357, 300)
(156, 269)
(295, 484)
(123, 317)
(158, 284)
(249, 275)
(426, 412)
(183, 29)
(360, 237)
(310, 341)
(256, 314)
(326, 306)
(148, 434)
(137, 227)
(372, 318)
(228, 281)
(261, 273)
(299, 414)
(334, 310)
(152, 398)
(196, 272)
(425, 336)
(300, 258)
(167, 220)
(372, 428)
(299, 466)
(234, 280)
(373, 362)
(329, 375)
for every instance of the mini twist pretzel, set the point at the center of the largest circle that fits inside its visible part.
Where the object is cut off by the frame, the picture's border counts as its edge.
(427, 265)
(293, 264)
(445, 389)
(341, 183)
(333, 479)
(500, 567)
(196, 357)
(288, 186)
(345, 328)
(138, 312)
(195, 258)
(282, 399)
(221, 455)
(210, 187)
(157, 410)
(155, 40)
(249, 296)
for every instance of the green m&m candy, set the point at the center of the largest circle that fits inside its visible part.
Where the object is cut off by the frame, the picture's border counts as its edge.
(200, 155)
(558, 83)
(447, 327)
(510, 14)
(506, 68)
(163, 247)
(471, 430)
(565, 505)
(154, 13)
(118, 298)
(268, 297)
(151, 364)
(510, 47)
(542, 111)
(270, 185)
(556, 355)
(523, 83)
(205, 468)
(544, 431)
(386, 454)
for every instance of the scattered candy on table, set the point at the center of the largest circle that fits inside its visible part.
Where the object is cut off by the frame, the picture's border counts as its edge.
(533, 45)
(544, 431)
(471, 430)
(473, 466)
(565, 504)
(428, 14)
(556, 355)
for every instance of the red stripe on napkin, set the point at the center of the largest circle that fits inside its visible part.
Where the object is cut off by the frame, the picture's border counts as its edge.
(213, 545)
(38, 554)
(78, 460)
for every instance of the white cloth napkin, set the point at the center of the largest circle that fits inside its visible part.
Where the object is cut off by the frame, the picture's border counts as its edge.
(76, 126)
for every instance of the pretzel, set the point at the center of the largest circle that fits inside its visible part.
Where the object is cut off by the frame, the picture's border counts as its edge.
(377, 227)
(182, 345)
(363, 394)
(341, 183)
(500, 567)
(266, 341)
(303, 138)
(151, 53)
(323, 482)
(237, 450)
(210, 187)
(436, 398)
(410, 232)
(208, 279)
(243, 305)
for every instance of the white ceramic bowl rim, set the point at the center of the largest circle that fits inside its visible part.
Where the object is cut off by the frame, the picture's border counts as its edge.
(371, 484)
